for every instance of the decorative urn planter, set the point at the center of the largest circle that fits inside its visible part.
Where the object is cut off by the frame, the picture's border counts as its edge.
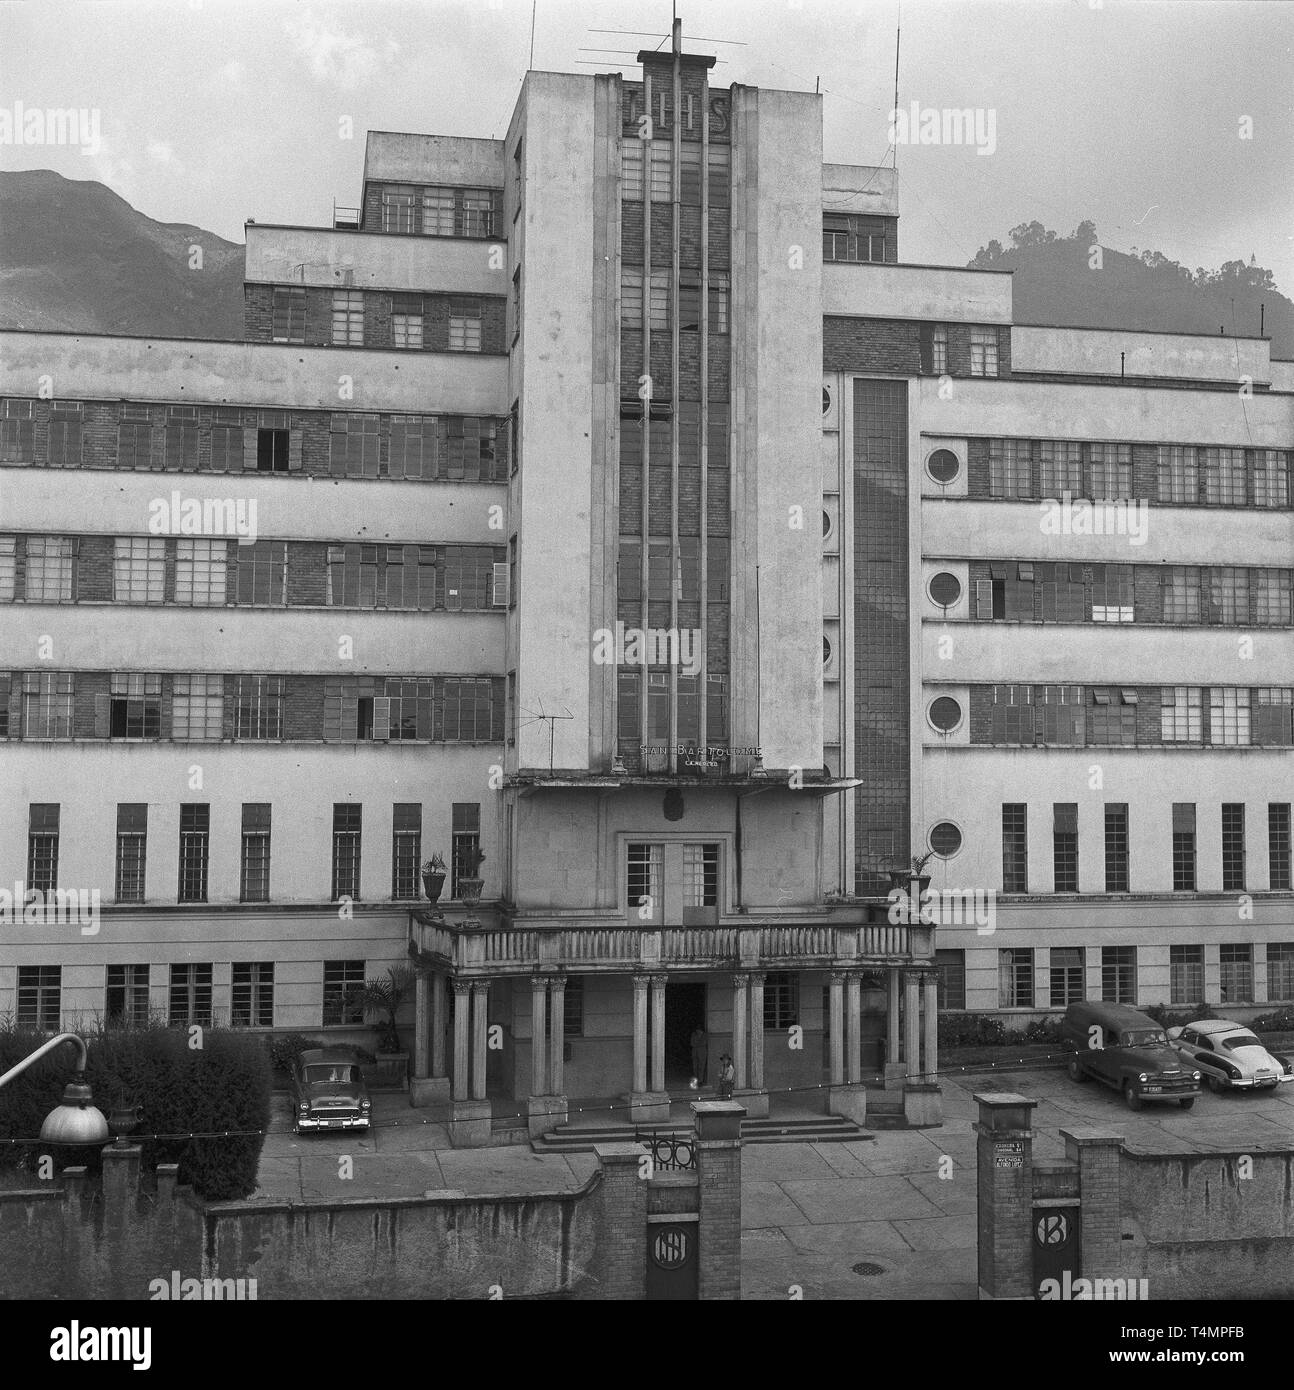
(123, 1121)
(469, 889)
(433, 885)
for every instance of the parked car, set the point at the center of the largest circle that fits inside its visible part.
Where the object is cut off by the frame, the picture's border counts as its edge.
(1127, 1051)
(1230, 1056)
(328, 1091)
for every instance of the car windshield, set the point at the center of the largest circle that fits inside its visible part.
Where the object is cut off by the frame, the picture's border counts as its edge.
(1240, 1040)
(337, 1074)
(1144, 1037)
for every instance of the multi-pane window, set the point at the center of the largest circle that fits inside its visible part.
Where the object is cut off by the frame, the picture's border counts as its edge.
(134, 438)
(412, 709)
(1178, 473)
(573, 1007)
(1272, 478)
(1273, 716)
(1228, 595)
(190, 995)
(132, 850)
(50, 564)
(412, 446)
(1110, 473)
(1116, 847)
(1060, 714)
(1233, 846)
(1112, 716)
(1181, 714)
(406, 849)
(65, 435)
(258, 709)
(983, 352)
(1280, 970)
(138, 570)
(1119, 974)
(200, 572)
(134, 707)
(1066, 968)
(660, 168)
(288, 315)
(127, 997)
(252, 994)
(950, 979)
(195, 844)
(478, 212)
(263, 574)
(1015, 978)
(348, 318)
(227, 440)
(465, 830)
(39, 997)
(406, 321)
(197, 708)
(254, 853)
(1236, 978)
(939, 349)
(631, 170)
(348, 708)
(438, 212)
(1060, 468)
(342, 979)
(469, 575)
(854, 238)
(1183, 847)
(347, 823)
(464, 324)
(398, 208)
(1228, 716)
(1010, 468)
(47, 704)
(719, 301)
(1274, 597)
(1185, 974)
(700, 875)
(1061, 591)
(469, 709)
(1015, 848)
(781, 1000)
(17, 431)
(1278, 846)
(8, 567)
(1225, 477)
(273, 442)
(354, 446)
(42, 845)
(1064, 845)
(646, 864)
(1012, 714)
(1180, 586)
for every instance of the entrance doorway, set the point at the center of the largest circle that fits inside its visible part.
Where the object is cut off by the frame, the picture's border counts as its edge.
(684, 1011)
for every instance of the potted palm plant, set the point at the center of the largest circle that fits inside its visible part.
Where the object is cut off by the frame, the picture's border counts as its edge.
(903, 876)
(433, 877)
(383, 996)
(469, 885)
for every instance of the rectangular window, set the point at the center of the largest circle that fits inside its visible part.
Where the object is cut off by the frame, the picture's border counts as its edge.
(412, 709)
(406, 849)
(1272, 478)
(347, 822)
(197, 709)
(348, 708)
(413, 447)
(47, 705)
(1274, 598)
(700, 876)
(258, 708)
(406, 321)
(1110, 472)
(1010, 467)
(477, 217)
(573, 1007)
(200, 572)
(263, 574)
(466, 833)
(470, 714)
(1180, 587)
(65, 435)
(195, 837)
(134, 707)
(464, 324)
(252, 994)
(1183, 847)
(660, 171)
(1181, 714)
(1067, 976)
(354, 446)
(50, 564)
(1015, 978)
(781, 1001)
(190, 996)
(646, 864)
(1228, 595)
(342, 980)
(1233, 846)
(1060, 468)
(1119, 974)
(1112, 594)
(438, 212)
(1228, 717)
(719, 301)
(348, 318)
(138, 570)
(939, 349)
(1274, 716)
(127, 995)
(227, 444)
(273, 448)
(132, 849)
(1236, 978)
(1015, 848)
(1112, 717)
(1225, 477)
(398, 208)
(1278, 846)
(1060, 714)
(1178, 474)
(135, 442)
(288, 316)
(950, 979)
(254, 858)
(1186, 974)
(42, 845)
(8, 567)
(983, 352)
(1116, 847)
(17, 432)
(1280, 970)
(631, 170)
(39, 997)
(1064, 842)
(1012, 715)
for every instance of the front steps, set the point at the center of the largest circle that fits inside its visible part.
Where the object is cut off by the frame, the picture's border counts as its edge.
(820, 1129)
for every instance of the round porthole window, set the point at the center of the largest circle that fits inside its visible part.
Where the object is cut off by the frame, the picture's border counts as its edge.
(826, 400)
(826, 650)
(826, 524)
(942, 466)
(945, 589)
(945, 839)
(945, 713)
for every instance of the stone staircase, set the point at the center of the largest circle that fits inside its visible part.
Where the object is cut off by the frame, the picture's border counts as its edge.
(818, 1129)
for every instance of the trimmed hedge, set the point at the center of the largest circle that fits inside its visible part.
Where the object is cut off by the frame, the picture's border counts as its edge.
(224, 1085)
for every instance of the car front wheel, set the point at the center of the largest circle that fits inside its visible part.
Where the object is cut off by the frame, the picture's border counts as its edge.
(1075, 1069)
(1131, 1096)
(1187, 1102)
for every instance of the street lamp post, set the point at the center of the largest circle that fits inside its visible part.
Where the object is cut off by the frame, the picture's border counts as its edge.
(77, 1120)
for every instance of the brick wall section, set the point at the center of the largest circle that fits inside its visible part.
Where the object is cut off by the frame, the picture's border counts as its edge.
(977, 468)
(981, 713)
(303, 707)
(721, 238)
(1100, 1216)
(1148, 721)
(619, 1268)
(719, 1189)
(871, 345)
(89, 686)
(662, 236)
(1147, 594)
(307, 584)
(631, 233)
(94, 569)
(1145, 471)
(1004, 1211)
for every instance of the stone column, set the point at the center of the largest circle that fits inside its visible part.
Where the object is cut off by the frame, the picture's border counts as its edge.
(912, 1023)
(836, 1028)
(739, 1026)
(640, 1033)
(557, 1056)
(853, 1027)
(658, 1032)
(421, 1025)
(538, 1035)
(930, 1062)
(462, 997)
(756, 1032)
(438, 1020)
(480, 1006)
(429, 1086)
(894, 1062)
(922, 1099)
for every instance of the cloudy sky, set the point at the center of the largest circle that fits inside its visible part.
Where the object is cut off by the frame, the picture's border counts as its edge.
(1129, 112)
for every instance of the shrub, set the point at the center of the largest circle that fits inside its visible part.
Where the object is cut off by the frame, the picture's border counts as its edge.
(285, 1048)
(970, 1030)
(1281, 1021)
(1041, 1030)
(1168, 1017)
(222, 1086)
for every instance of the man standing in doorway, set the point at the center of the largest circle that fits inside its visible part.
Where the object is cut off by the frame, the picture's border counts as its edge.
(700, 1054)
(727, 1076)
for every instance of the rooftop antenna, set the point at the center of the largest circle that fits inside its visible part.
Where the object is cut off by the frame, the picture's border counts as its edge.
(552, 729)
(533, 8)
(898, 34)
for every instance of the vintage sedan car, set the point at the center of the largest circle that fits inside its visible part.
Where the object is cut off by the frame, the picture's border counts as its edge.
(1128, 1052)
(328, 1091)
(1230, 1056)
